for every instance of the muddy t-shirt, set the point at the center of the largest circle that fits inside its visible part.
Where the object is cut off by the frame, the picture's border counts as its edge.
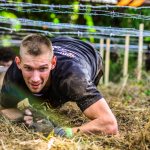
(77, 67)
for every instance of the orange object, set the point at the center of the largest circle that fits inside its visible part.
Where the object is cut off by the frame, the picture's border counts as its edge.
(44, 27)
(124, 2)
(137, 3)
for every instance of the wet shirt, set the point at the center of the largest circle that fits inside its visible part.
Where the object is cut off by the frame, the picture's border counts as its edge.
(77, 67)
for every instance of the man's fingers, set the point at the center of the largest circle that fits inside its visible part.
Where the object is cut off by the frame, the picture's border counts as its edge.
(29, 122)
(28, 112)
(40, 121)
(28, 118)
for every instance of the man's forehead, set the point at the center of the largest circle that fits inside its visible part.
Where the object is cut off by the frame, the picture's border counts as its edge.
(35, 61)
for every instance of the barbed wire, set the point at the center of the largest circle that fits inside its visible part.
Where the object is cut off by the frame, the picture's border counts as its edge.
(106, 33)
(104, 13)
(113, 47)
(20, 35)
(79, 30)
(80, 6)
(109, 31)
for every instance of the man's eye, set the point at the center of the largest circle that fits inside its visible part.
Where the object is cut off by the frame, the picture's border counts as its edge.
(42, 69)
(28, 68)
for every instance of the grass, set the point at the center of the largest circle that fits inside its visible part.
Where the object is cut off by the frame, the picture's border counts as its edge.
(130, 106)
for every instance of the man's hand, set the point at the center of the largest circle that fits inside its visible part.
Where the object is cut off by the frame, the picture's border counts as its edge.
(43, 128)
(28, 117)
(47, 128)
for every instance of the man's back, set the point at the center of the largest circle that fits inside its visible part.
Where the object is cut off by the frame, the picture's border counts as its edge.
(79, 52)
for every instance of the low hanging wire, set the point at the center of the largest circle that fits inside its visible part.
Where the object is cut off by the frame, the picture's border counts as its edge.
(20, 35)
(79, 30)
(112, 14)
(108, 31)
(94, 9)
(114, 48)
(81, 6)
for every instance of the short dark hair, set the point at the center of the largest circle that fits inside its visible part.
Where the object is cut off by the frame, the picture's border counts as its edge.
(7, 54)
(34, 42)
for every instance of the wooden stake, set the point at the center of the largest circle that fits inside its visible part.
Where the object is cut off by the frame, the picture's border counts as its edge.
(102, 54)
(125, 70)
(139, 67)
(107, 62)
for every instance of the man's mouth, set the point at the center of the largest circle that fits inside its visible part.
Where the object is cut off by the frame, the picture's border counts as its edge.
(35, 86)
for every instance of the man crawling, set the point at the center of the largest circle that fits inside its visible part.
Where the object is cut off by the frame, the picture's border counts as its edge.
(57, 71)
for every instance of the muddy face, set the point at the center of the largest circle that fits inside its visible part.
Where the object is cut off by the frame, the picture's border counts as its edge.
(36, 70)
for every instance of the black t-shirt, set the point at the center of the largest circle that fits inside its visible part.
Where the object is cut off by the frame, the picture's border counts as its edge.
(77, 67)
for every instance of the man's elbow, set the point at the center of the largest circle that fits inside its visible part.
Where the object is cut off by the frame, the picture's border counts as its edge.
(109, 126)
(112, 128)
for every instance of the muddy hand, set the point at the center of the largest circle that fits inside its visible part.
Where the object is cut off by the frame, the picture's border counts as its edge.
(46, 127)
(46, 122)
(28, 112)
(43, 128)
(28, 117)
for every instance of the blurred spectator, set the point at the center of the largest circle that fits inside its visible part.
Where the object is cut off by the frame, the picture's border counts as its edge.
(147, 61)
(115, 54)
(2, 73)
(7, 56)
(148, 47)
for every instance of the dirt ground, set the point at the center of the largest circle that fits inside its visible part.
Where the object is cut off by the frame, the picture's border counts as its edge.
(129, 103)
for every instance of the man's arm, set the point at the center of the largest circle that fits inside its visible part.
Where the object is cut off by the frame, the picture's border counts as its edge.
(11, 113)
(15, 114)
(102, 120)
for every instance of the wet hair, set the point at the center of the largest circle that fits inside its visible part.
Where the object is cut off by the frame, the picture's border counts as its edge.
(7, 54)
(33, 44)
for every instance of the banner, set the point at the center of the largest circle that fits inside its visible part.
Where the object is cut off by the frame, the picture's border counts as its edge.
(132, 3)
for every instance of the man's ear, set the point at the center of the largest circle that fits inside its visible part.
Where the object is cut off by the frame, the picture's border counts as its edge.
(53, 62)
(18, 62)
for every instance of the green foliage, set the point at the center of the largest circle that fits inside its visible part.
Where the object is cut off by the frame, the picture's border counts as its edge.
(125, 103)
(116, 66)
(127, 96)
(16, 23)
(147, 93)
(147, 39)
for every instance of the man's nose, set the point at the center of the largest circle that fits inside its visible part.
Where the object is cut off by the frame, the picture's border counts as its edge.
(35, 76)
